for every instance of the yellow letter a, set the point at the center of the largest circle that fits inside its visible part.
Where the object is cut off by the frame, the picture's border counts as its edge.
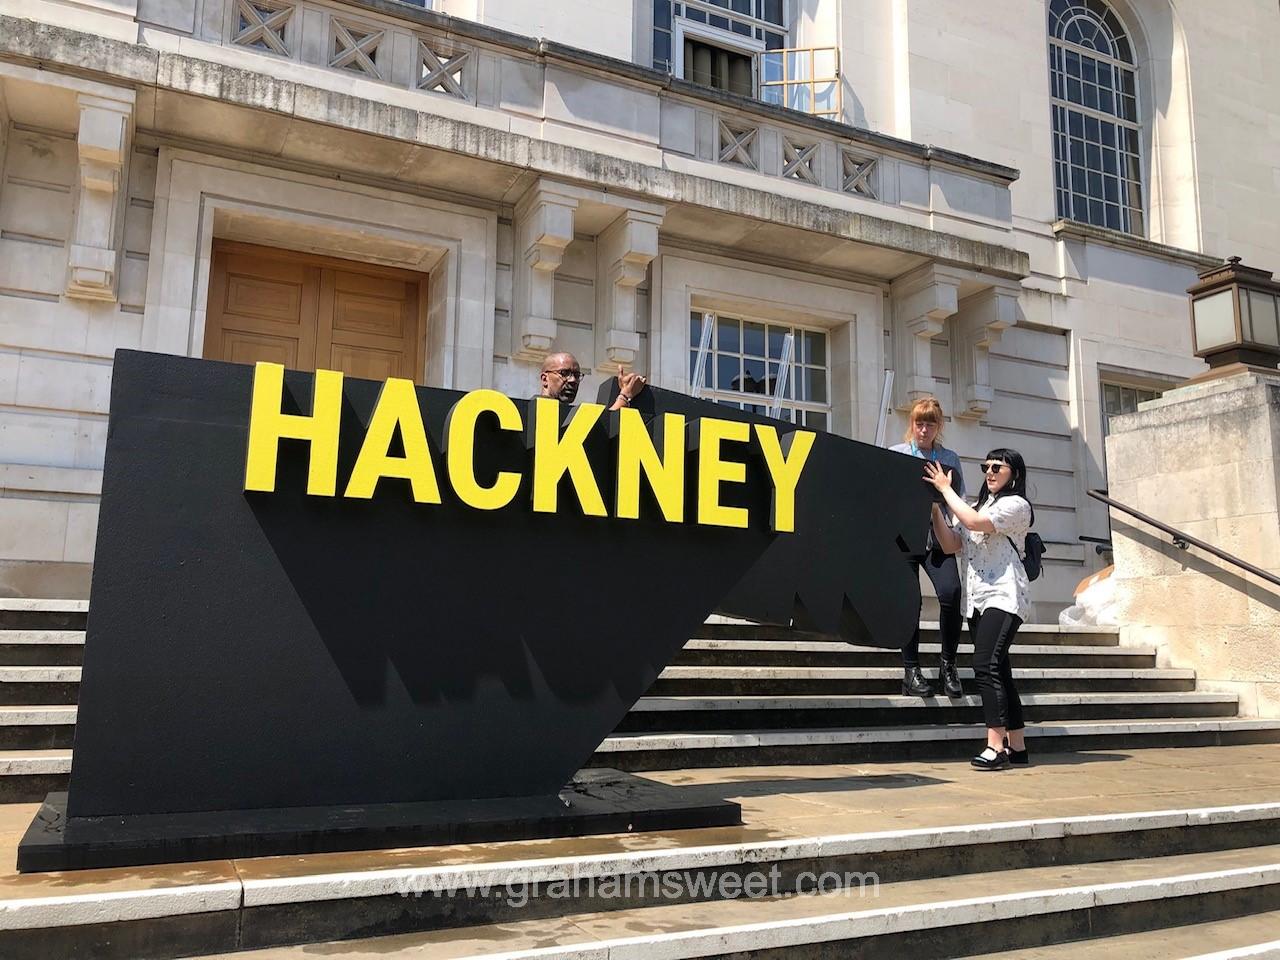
(785, 468)
(268, 426)
(636, 452)
(397, 406)
(554, 455)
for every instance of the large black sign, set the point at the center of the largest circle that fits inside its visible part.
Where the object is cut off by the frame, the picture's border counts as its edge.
(262, 640)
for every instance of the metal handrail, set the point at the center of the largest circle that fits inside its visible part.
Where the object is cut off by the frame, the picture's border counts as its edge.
(1183, 540)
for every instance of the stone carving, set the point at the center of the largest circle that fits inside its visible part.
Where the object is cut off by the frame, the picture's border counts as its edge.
(261, 24)
(856, 171)
(354, 47)
(799, 159)
(103, 144)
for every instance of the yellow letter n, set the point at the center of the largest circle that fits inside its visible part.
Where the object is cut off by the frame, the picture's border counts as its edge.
(665, 471)
(268, 426)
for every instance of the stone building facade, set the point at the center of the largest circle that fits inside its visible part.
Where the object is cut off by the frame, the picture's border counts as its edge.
(1003, 203)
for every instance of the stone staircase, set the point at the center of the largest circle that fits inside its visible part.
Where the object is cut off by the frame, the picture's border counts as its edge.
(738, 694)
(870, 838)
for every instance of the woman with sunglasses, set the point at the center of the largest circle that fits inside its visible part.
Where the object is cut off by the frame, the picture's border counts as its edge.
(996, 594)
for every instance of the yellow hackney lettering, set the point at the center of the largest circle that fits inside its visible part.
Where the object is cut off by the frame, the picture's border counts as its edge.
(460, 449)
(637, 453)
(707, 435)
(785, 460)
(397, 407)
(554, 455)
(268, 426)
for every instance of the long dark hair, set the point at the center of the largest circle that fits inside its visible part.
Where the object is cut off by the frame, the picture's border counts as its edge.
(1017, 485)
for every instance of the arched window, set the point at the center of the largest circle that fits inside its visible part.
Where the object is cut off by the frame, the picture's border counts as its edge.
(1093, 86)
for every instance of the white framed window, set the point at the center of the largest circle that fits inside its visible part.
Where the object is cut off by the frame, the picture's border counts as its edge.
(743, 365)
(1093, 81)
(712, 58)
(736, 24)
(1120, 398)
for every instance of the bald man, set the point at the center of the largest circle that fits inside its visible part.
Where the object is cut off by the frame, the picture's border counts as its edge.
(562, 375)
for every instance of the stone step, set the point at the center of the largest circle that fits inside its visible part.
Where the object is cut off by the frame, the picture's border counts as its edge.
(28, 685)
(456, 892)
(26, 776)
(1037, 633)
(681, 749)
(1250, 937)
(816, 653)
(780, 712)
(778, 680)
(41, 647)
(37, 727)
(25, 614)
(924, 919)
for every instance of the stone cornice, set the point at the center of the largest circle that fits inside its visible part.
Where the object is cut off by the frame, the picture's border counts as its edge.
(1072, 230)
(61, 49)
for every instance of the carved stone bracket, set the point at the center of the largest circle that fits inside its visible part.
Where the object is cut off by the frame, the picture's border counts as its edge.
(103, 141)
(624, 251)
(922, 301)
(543, 229)
(980, 321)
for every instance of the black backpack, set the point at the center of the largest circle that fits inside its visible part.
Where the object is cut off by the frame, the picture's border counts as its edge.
(1030, 554)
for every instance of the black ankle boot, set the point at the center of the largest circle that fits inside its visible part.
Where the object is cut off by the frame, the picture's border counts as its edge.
(914, 684)
(950, 679)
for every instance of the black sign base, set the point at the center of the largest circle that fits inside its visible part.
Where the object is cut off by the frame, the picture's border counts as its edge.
(597, 801)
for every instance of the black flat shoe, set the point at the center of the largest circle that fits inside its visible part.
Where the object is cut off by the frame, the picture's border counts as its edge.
(950, 679)
(998, 762)
(1019, 758)
(914, 684)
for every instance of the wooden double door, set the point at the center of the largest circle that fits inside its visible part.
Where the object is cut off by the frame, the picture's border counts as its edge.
(308, 312)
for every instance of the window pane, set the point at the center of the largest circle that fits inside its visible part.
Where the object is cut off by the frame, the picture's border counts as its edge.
(824, 63)
(815, 348)
(824, 97)
(772, 94)
(816, 420)
(693, 364)
(771, 11)
(726, 373)
(1111, 398)
(771, 65)
(799, 97)
(1128, 400)
(799, 65)
(727, 335)
(662, 14)
(776, 336)
(753, 380)
(817, 386)
(695, 330)
(753, 339)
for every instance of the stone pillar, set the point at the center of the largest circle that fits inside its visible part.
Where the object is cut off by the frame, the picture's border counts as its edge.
(623, 254)
(922, 301)
(977, 327)
(543, 229)
(96, 239)
(1206, 460)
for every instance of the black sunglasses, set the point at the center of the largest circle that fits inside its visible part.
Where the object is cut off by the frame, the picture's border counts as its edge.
(993, 467)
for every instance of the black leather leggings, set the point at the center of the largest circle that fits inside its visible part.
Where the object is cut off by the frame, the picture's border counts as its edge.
(944, 572)
(993, 633)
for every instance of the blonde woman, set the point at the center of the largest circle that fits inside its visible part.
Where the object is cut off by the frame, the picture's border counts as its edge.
(924, 440)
